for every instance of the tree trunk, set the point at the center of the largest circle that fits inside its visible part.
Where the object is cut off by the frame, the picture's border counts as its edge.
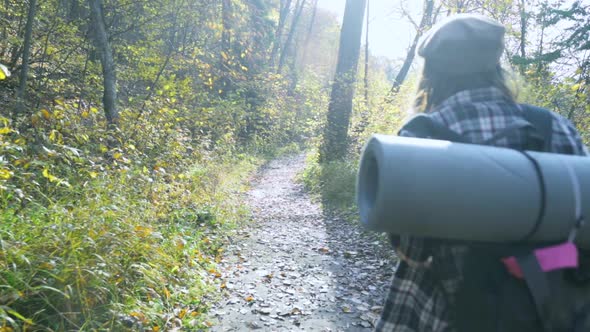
(523, 30)
(226, 23)
(540, 64)
(289, 41)
(366, 78)
(284, 13)
(335, 140)
(22, 88)
(101, 41)
(309, 30)
(425, 23)
(226, 18)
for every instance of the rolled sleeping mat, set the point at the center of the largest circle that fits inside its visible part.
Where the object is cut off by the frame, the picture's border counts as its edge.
(439, 189)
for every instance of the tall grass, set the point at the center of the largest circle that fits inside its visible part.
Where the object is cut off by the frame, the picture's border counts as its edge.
(121, 252)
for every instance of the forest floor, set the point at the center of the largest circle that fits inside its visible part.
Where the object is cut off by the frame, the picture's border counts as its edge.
(295, 268)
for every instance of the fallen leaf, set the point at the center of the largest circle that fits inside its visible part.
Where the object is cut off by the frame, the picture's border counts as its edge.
(4, 73)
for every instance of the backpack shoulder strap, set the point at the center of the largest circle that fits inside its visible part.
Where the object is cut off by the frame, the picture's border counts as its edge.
(542, 120)
(423, 126)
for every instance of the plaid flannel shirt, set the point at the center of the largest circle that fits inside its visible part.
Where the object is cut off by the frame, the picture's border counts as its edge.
(421, 295)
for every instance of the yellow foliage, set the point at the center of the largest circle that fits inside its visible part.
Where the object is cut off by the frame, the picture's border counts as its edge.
(49, 176)
(46, 114)
(143, 231)
(5, 174)
(4, 73)
(167, 293)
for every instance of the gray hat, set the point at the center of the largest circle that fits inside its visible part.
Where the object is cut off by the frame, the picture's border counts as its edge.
(463, 44)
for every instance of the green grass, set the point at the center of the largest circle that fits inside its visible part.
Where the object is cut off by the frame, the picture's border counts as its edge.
(334, 183)
(121, 251)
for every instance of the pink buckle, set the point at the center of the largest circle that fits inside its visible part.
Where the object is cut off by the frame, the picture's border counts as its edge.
(551, 258)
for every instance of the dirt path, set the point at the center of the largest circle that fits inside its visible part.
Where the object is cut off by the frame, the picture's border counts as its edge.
(295, 269)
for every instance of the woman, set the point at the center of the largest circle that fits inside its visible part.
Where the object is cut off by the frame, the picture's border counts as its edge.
(463, 88)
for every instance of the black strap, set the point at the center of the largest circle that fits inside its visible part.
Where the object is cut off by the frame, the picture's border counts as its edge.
(581, 318)
(536, 281)
(543, 198)
(542, 120)
(422, 126)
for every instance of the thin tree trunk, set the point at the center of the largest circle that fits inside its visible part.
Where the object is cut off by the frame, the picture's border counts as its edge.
(16, 50)
(4, 35)
(284, 13)
(226, 23)
(298, 9)
(309, 31)
(335, 140)
(523, 31)
(226, 17)
(101, 41)
(425, 23)
(294, 73)
(540, 65)
(21, 92)
(366, 79)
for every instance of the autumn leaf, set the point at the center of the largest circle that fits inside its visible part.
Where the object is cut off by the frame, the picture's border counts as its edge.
(5, 174)
(46, 114)
(49, 176)
(138, 315)
(143, 231)
(4, 72)
(167, 293)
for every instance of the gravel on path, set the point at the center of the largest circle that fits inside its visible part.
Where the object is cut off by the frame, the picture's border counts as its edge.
(293, 268)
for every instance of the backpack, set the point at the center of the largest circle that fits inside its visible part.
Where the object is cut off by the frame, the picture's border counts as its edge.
(493, 297)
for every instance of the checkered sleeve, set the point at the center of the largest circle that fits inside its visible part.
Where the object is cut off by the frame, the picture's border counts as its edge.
(566, 138)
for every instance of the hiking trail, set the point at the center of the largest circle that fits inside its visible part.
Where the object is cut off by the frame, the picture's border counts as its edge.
(293, 268)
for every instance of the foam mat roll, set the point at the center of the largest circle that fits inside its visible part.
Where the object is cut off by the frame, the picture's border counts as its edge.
(439, 189)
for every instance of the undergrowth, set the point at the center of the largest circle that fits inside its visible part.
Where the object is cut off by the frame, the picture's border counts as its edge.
(333, 183)
(120, 253)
